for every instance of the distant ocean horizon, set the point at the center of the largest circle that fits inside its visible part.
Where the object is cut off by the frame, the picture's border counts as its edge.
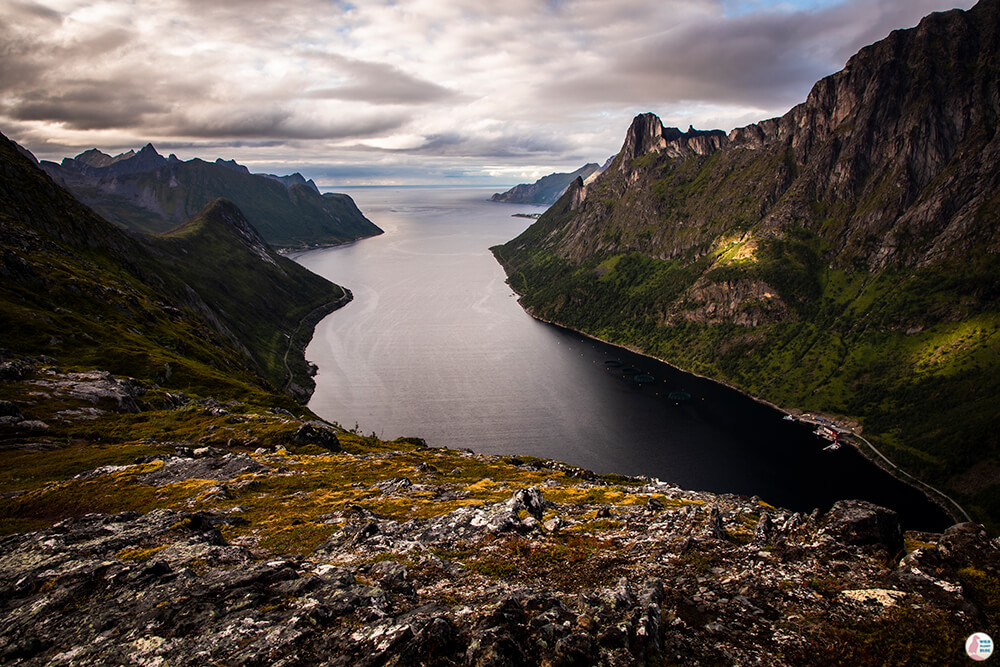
(428, 186)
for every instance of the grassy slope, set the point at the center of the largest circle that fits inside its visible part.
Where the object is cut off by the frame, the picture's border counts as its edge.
(199, 312)
(261, 297)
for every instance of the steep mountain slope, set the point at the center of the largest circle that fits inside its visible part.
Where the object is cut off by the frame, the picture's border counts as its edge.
(840, 258)
(207, 310)
(547, 189)
(268, 302)
(149, 193)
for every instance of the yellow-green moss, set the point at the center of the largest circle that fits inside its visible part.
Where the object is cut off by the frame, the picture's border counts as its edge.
(140, 555)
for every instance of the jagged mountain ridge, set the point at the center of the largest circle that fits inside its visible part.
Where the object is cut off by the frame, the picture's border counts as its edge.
(842, 257)
(547, 189)
(147, 192)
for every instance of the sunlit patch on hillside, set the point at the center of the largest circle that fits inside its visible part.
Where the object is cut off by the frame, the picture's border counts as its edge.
(735, 248)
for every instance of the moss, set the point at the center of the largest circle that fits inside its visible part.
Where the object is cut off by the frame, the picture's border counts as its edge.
(301, 538)
(140, 555)
(596, 526)
(983, 589)
(493, 567)
(900, 636)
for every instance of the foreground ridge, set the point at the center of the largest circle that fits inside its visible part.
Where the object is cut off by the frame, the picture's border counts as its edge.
(259, 537)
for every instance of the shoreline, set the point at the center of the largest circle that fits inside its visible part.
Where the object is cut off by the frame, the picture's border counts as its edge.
(935, 496)
(291, 252)
(299, 340)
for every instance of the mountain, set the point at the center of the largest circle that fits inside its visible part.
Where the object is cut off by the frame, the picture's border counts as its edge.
(842, 258)
(147, 192)
(267, 303)
(208, 309)
(547, 189)
(163, 501)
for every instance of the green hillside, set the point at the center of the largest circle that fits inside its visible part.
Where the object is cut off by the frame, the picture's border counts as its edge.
(175, 311)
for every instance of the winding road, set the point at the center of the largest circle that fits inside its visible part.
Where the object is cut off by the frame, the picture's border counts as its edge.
(342, 300)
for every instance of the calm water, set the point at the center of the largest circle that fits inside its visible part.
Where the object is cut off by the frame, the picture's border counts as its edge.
(435, 345)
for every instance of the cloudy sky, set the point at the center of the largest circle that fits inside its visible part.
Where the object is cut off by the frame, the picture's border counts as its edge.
(412, 91)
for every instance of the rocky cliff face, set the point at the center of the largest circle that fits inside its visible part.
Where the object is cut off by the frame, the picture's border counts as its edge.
(789, 255)
(890, 160)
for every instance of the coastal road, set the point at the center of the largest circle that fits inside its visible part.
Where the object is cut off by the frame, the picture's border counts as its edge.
(899, 470)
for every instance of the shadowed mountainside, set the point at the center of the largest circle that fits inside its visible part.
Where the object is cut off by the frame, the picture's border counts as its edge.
(207, 307)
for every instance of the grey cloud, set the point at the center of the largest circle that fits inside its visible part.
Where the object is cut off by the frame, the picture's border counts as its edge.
(378, 83)
(282, 124)
(84, 106)
(767, 60)
(40, 70)
(509, 145)
(33, 10)
(547, 80)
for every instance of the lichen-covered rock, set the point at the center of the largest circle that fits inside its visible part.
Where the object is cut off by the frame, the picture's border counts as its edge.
(97, 387)
(681, 582)
(858, 522)
(176, 469)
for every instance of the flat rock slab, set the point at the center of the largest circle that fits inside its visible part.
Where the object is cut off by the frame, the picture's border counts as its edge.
(217, 469)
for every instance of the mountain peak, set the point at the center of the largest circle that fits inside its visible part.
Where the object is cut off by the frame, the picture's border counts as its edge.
(648, 135)
(226, 213)
(98, 159)
(644, 135)
(232, 164)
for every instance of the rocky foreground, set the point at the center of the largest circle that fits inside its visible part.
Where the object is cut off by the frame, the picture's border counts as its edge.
(151, 528)
(571, 571)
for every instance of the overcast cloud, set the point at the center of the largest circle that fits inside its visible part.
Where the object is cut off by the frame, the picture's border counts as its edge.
(412, 90)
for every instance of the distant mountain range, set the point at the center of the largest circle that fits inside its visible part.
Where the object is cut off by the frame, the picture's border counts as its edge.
(147, 192)
(842, 258)
(548, 189)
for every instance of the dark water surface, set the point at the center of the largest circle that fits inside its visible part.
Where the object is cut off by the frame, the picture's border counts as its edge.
(435, 345)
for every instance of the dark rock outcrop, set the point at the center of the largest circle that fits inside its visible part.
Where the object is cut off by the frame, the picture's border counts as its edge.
(861, 523)
(317, 433)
